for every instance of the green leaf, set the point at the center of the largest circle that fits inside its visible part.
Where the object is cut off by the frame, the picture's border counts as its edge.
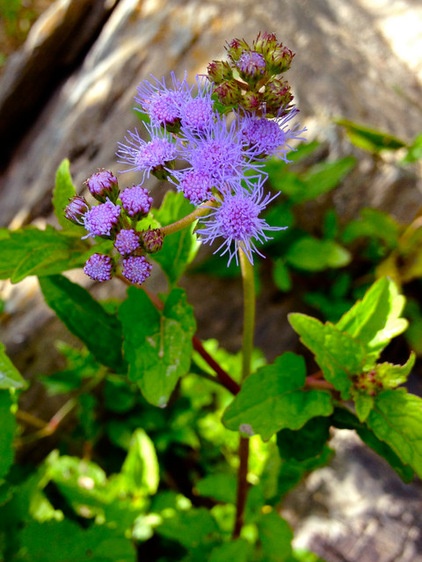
(311, 254)
(7, 434)
(66, 541)
(189, 528)
(337, 353)
(30, 251)
(363, 405)
(140, 468)
(281, 275)
(305, 443)
(179, 248)
(276, 537)
(375, 320)
(157, 345)
(374, 224)
(344, 419)
(273, 398)
(10, 377)
(221, 487)
(238, 550)
(368, 138)
(63, 191)
(414, 151)
(397, 419)
(86, 319)
(324, 177)
(392, 376)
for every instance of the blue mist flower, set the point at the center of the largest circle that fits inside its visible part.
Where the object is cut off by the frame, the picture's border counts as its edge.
(99, 267)
(196, 185)
(236, 220)
(101, 219)
(221, 153)
(136, 269)
(251, 64)
(270, 137)
(160, 103)
(147, 156)
(136, 201)
(102, 185)
(127, 241)
(76, 210)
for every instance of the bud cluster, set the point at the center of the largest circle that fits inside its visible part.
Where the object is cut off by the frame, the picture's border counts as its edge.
(251, 78)
(368, 383)
(115, 217)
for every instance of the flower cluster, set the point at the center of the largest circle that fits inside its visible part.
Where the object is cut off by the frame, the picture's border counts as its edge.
(115, 218)
(210, 141)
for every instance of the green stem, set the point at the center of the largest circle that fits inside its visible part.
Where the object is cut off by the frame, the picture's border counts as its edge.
(247, 347)
(188, 219)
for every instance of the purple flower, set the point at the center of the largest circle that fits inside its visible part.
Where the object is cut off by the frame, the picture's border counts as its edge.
(136, 269)
(237, 220)
(163, 104)
(102, 185)
(101, 219)
(127, 241)
(220, 153)
(136, 201)
(197, 112)
(147, 156)
(76, 210)
(195, 185)
(99, 267)
(270, 137)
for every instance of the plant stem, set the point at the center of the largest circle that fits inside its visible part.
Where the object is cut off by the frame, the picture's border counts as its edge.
(247, 348)
(188, 219)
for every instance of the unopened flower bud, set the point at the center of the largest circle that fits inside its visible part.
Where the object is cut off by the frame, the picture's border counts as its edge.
(235, 48)
(252, 101)
(277, 96)
(228, 92)
(219, 71)
(76, 210)
(152, 240)
(103, 185)
(280, 59)
(265, 43)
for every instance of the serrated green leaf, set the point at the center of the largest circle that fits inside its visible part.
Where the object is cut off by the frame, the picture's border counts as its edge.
(275, 536)
(10, 377)
(140, 468)
(157, 345)
(311, 254)
(375, 320)
(179, 248)
(337, 353)
(392, 376)
(396, 418)
(30, 251)
(7, 434)
(273, 398)
(86, 319)
(63, 191)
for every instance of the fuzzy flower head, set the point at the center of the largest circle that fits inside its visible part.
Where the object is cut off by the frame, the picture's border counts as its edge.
(251, 65)
(99, 267)
(237, 221)
(136, 201)
(136, 269)
(220, 153)
(101, 219)
(147, 156)
(196, 185)
(161, 103)
(127, 241)
(197, 112)
(270, 137)
(76, 210)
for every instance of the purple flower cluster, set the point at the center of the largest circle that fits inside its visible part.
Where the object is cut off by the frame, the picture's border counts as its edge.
(114, 217)
(213, 155)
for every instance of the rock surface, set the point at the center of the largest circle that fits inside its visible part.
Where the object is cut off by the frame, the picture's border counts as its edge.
(74, 83)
